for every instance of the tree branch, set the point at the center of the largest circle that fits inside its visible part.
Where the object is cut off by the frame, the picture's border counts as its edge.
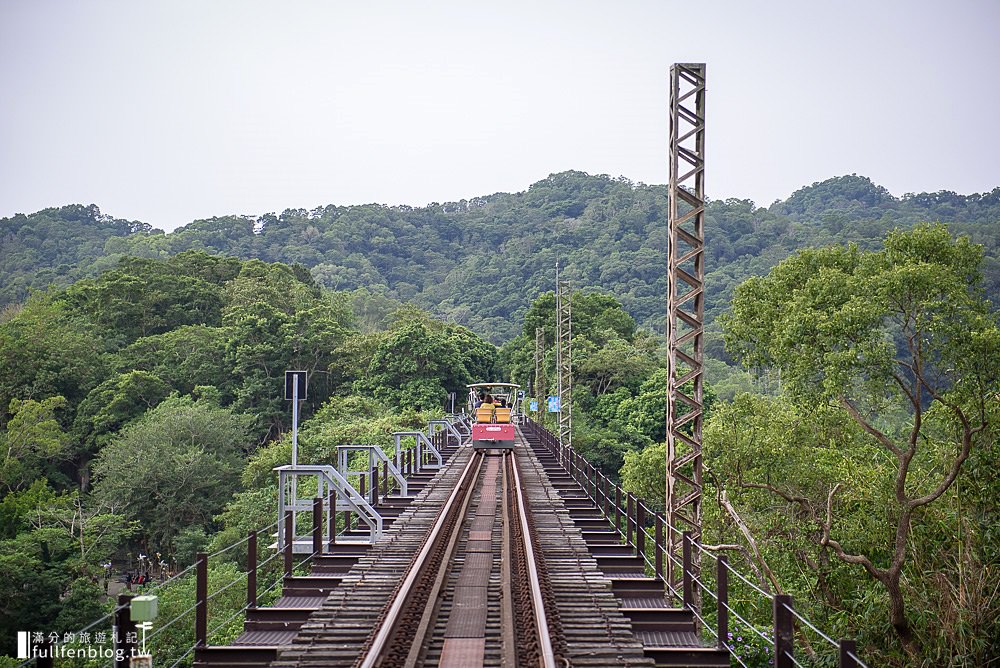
(902, 385)
(723, 499)
(843, 555)
(878, 435)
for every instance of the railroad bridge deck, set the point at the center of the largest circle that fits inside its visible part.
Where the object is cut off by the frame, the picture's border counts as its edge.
(601, 608)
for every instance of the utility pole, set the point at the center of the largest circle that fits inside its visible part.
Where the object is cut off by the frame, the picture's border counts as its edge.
(685, 309)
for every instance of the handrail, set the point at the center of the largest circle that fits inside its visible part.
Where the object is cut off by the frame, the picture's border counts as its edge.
(443, 425)
(422, 441)
(375, 452)
(329, 476)
(460, 419)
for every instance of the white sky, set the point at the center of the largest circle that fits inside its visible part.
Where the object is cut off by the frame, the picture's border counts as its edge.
(167, 110)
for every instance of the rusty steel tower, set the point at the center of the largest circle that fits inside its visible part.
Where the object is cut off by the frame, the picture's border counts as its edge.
(685, 306)
(564, 359)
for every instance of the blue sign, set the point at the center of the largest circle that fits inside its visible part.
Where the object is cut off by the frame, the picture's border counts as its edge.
(534, 405)
(554, 405)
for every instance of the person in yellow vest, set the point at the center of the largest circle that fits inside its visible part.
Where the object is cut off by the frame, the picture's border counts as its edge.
(485, 411)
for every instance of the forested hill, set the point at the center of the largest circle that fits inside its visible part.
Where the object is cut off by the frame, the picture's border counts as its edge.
(479, 262)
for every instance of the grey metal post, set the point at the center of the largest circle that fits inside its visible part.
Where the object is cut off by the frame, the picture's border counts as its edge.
(289, 541)
(295, 442)
(618, 508)
(332, 527)
(640, 528)
(686, 575)
(658, 546)
(629, 509)
(317, 529)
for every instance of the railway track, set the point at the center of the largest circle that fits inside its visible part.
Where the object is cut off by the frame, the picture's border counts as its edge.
(439, 612)
(484, 568)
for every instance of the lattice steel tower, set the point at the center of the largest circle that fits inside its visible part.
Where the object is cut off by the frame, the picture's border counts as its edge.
(564, 359)
(685, 306)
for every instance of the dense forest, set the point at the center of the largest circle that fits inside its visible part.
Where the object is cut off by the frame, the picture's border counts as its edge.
(116, 388)
(850, 438)
(480, 262)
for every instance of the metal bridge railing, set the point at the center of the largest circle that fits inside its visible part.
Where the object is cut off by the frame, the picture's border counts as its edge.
(260, 572)
(375, 462)
(644, 529)
(425, 448)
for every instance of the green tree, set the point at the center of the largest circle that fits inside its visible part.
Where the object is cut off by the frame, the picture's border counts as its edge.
(18, 509)
(33, 438)
(143, 297)
(33, 579)
(901, 341)
(414, 366)
(183, 358)
(173, 468)
(617, 363)
(644, 473)
(110, 406)
(46, 350)
(277, 320)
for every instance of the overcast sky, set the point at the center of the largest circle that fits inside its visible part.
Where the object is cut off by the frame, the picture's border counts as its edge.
(168, 111)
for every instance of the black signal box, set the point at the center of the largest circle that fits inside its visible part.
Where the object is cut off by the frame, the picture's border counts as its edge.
(293, 378)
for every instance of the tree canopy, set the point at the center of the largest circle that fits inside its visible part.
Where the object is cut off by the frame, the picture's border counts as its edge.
(901, 346)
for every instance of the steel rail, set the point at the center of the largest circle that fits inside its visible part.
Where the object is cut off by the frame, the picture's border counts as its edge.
(541, 620)
(378, 646)
(508, 642)
(431, 608)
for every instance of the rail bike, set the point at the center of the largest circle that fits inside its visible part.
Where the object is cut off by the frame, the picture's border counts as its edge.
(494, 408)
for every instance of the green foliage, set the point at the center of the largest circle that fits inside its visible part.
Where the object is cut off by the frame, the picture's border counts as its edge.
(173, 468)
(33, 438)
(184, 358)
(188, 543)
(57, 247)
(144, 297)
(890, 363)
(479, 262)
(48, 351)
(32, 581)
(47, 570)
(277, 320)
(17, 509)
(81, 605)
(644, 474)
(418, 364)
(114, 403)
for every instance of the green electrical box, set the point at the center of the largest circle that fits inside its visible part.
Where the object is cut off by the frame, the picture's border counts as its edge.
(143, 608)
